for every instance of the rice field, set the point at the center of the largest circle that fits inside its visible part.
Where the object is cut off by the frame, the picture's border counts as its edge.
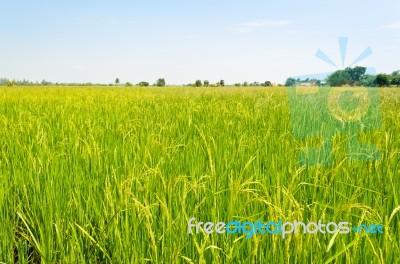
(112, 175)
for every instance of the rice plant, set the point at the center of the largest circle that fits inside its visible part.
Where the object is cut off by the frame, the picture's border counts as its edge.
(112, 175)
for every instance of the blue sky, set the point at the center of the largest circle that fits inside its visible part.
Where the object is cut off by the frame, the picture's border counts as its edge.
(97, 41)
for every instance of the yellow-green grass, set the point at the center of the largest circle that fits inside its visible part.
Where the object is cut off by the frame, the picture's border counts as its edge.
(112, 175)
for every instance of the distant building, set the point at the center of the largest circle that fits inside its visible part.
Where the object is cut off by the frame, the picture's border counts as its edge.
(308, 84)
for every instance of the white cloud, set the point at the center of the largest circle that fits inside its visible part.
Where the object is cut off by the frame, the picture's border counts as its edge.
(393, 26)
(253, 25)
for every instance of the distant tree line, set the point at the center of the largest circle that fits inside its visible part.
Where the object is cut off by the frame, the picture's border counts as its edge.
(8, 82)
(24, 82)
(117, 82)
(160, 83)
(206, 83)
(221, 83)
(299, 82)
(246, 84)
(356, 76)
(388, 79)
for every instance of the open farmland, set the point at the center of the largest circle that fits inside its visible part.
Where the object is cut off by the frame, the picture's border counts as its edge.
(112, 175)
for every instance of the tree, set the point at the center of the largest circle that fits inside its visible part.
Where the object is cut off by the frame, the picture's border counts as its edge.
(206, 83)
(237, 84)
(339, 78)
(356, 73)
(198, 83)
(368, 80)
(383, 80)
(350, 76)
(396, 80)
(143, 84)
(290, 82)
(160, 82)
(222, 83)
(245, 84)
(11, 83)
(128, 84)
(44, 82)
(267, 83)
(117, 81)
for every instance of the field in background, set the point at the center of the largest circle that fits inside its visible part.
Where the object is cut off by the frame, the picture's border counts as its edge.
(112, 175)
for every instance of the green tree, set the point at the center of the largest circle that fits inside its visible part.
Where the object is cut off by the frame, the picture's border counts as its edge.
(221, 83)
(350, 76)
(396, 81)
(44, 83)
(267, 83)
(143, 84)
(11, 83)
(160, 82)
(128, 84)
(245, 84)
(396, 78)
(117, 81)
(290, 82)
(356, 73)
(383, 80)
(198, 83)
(368, 80)
(339, 78)
(206, 83)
